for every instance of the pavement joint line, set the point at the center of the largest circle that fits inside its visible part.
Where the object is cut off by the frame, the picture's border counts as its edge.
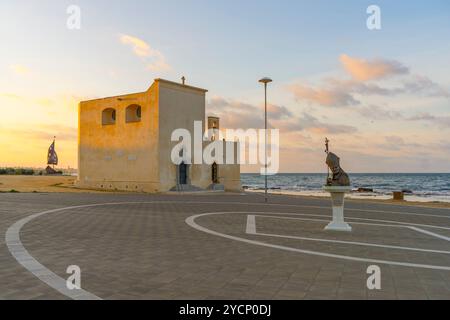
(289, 205)
(23, 257)
(251, 219)
(347, 209)
(18, 251)
(191, 222)
(323, 220)
(350, 242)
(400, 223)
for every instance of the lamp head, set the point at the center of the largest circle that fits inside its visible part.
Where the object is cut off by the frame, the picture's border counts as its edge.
(265, 80)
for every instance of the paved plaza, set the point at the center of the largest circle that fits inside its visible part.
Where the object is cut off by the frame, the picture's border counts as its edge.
(218, 246)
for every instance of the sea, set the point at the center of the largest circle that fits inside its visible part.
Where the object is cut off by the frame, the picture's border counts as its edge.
(420, 187)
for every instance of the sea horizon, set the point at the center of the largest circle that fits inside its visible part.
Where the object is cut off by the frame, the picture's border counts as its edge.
(242, 173)
(291, 173)
(417, 186)
(420, 187)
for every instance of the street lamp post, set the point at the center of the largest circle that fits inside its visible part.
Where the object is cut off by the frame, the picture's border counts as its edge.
(265, 81)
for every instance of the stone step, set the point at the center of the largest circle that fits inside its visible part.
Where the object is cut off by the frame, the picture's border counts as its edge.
(186, 188)
(216, 187)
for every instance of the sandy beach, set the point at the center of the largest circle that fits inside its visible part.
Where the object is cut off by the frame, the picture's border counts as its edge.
(38, 184)
(65, 184)
(373, 200)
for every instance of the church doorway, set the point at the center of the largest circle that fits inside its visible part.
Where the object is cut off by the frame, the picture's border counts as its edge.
(215, 173)
(183, 173)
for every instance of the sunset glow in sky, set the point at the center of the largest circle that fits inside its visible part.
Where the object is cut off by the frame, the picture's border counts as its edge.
(382, 97)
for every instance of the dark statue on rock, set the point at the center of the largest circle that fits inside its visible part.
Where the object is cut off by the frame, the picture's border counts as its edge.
(338, 178)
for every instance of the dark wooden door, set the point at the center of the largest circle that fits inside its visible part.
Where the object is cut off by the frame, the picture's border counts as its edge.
(183, 173)
(215, 173)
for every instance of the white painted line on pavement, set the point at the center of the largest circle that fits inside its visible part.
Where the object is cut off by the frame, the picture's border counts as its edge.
(22, 256)
(251, 224)
(251, 229)
(191, 222)
(430, 233)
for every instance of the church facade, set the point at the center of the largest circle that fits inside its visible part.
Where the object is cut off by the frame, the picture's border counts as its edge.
(124, 142)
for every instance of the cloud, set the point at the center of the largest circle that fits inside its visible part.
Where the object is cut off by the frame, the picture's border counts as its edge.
(223, 106)
(395, 143)
(366, 152)
(20, 69)
(153, 59)
(278, 112)
(352, 86)
(425, 86)
(58, 102)
(348, 92)
(158, 65)
(329, 97)
(235, 114)
(140, 47)
(374, 112)
(10, 96)
(43, 132)
(365, 70)
(27, 146)
(312, 124)
(395, 140)
(441, 121)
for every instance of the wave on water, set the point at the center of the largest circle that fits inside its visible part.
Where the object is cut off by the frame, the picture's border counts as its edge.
(420, 187)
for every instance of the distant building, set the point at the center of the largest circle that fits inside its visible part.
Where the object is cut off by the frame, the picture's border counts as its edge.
(125, 142)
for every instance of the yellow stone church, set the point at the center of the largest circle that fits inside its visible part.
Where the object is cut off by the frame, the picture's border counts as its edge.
(124, 142)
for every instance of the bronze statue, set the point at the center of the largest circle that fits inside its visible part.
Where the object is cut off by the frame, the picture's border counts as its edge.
(338, 177)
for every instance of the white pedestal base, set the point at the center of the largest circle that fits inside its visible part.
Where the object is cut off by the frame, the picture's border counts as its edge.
(338, 226)
(337, 199)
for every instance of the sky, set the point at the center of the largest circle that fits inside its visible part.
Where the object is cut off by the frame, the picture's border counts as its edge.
(381, 96)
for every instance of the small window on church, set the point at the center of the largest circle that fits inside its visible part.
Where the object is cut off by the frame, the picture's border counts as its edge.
(108, 116)
(134, 113)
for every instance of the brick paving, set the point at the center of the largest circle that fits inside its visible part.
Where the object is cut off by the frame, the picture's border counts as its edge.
(145, 250)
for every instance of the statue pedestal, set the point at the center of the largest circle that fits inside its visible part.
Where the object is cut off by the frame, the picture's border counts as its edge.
(337, 199)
